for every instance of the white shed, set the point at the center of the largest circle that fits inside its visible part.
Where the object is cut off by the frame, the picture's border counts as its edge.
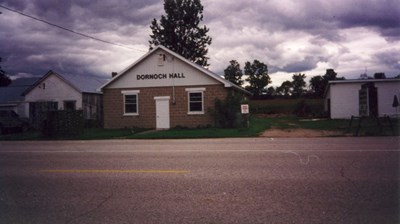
(343, 98)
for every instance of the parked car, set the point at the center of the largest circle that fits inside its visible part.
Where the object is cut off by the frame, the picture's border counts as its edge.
(9, 120)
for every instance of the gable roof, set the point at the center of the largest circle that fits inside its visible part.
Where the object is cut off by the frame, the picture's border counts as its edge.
(12, 94)
(82, 84)
(205, 71)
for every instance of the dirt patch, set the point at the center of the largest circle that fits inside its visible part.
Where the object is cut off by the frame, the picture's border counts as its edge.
(299, 132)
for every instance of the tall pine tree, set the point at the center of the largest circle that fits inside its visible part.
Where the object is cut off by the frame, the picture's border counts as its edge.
(179, 30)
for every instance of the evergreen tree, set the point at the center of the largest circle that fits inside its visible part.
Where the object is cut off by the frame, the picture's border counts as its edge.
(180, 31)
(233, 73)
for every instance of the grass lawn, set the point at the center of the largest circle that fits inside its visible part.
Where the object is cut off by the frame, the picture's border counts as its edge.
(258, 124)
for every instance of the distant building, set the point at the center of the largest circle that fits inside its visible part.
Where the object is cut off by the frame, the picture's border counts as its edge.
(163, 90)
(363, 97)
(63, 92)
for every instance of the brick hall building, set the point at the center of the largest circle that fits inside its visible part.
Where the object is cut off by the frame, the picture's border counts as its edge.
(163, 90)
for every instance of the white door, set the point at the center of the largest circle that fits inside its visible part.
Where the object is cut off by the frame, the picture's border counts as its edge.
(162, 112)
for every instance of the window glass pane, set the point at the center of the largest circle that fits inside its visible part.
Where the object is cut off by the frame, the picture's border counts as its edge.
(197, 106)
(130, 98)
(130, 108)
(69, 105)
(195, 97)
(196, 102)
(130, 103)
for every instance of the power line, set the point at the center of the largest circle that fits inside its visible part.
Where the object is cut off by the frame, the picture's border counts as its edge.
(69, 30)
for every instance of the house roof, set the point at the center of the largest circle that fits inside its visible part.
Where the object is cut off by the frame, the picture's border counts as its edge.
(85, 84)
(82, 84)
(360, 81)
(207, 72)
(12, 94)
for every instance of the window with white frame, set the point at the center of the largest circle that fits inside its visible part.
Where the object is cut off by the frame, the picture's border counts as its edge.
(195, 100)
(131, 102)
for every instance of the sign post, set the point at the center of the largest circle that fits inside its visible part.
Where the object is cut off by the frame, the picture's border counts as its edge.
(245, 112)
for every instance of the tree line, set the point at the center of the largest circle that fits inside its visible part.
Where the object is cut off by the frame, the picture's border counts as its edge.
(256, 75)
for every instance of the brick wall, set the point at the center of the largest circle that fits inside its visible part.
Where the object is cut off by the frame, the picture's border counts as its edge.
(114, 108)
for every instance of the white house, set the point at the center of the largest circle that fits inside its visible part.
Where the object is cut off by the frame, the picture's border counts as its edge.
(64, 92)
(363, 97)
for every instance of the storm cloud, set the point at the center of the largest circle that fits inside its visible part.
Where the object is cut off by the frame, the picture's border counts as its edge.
(289, 36)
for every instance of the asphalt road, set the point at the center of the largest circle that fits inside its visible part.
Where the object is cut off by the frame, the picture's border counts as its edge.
(260, 180)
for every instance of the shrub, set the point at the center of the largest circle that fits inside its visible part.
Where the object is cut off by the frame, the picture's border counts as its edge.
(302, 109)
(227, 112)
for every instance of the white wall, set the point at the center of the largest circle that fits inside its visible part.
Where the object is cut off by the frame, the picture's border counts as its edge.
(171, 65)
(386, 92)
(54, 90)
(344, 100)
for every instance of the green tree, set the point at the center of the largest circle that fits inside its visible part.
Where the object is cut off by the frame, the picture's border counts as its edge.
(285, 89)
(298, 84)
(257, 77)
(180, 31)
(271, 91)
(318, 84)
(234, 73)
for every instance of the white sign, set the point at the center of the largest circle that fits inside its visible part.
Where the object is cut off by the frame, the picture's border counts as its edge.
(244, 108)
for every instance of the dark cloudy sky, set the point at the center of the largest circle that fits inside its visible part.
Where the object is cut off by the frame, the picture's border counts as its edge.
(290, 36)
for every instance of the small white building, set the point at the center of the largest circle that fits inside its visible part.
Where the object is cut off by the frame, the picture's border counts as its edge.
(63, 92)
(347, 98)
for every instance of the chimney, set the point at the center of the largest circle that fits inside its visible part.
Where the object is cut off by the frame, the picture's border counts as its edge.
(113, 74)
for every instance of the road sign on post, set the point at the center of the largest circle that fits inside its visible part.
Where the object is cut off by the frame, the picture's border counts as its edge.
(245, 111)
(244, 108)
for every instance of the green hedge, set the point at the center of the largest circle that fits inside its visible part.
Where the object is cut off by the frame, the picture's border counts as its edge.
(301, 107)
(63, 123)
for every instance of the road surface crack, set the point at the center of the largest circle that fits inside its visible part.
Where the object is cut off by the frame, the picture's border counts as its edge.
(88, 212)
(357, 197)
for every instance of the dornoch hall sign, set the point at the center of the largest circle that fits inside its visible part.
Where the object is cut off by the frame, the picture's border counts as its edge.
(161, 76)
